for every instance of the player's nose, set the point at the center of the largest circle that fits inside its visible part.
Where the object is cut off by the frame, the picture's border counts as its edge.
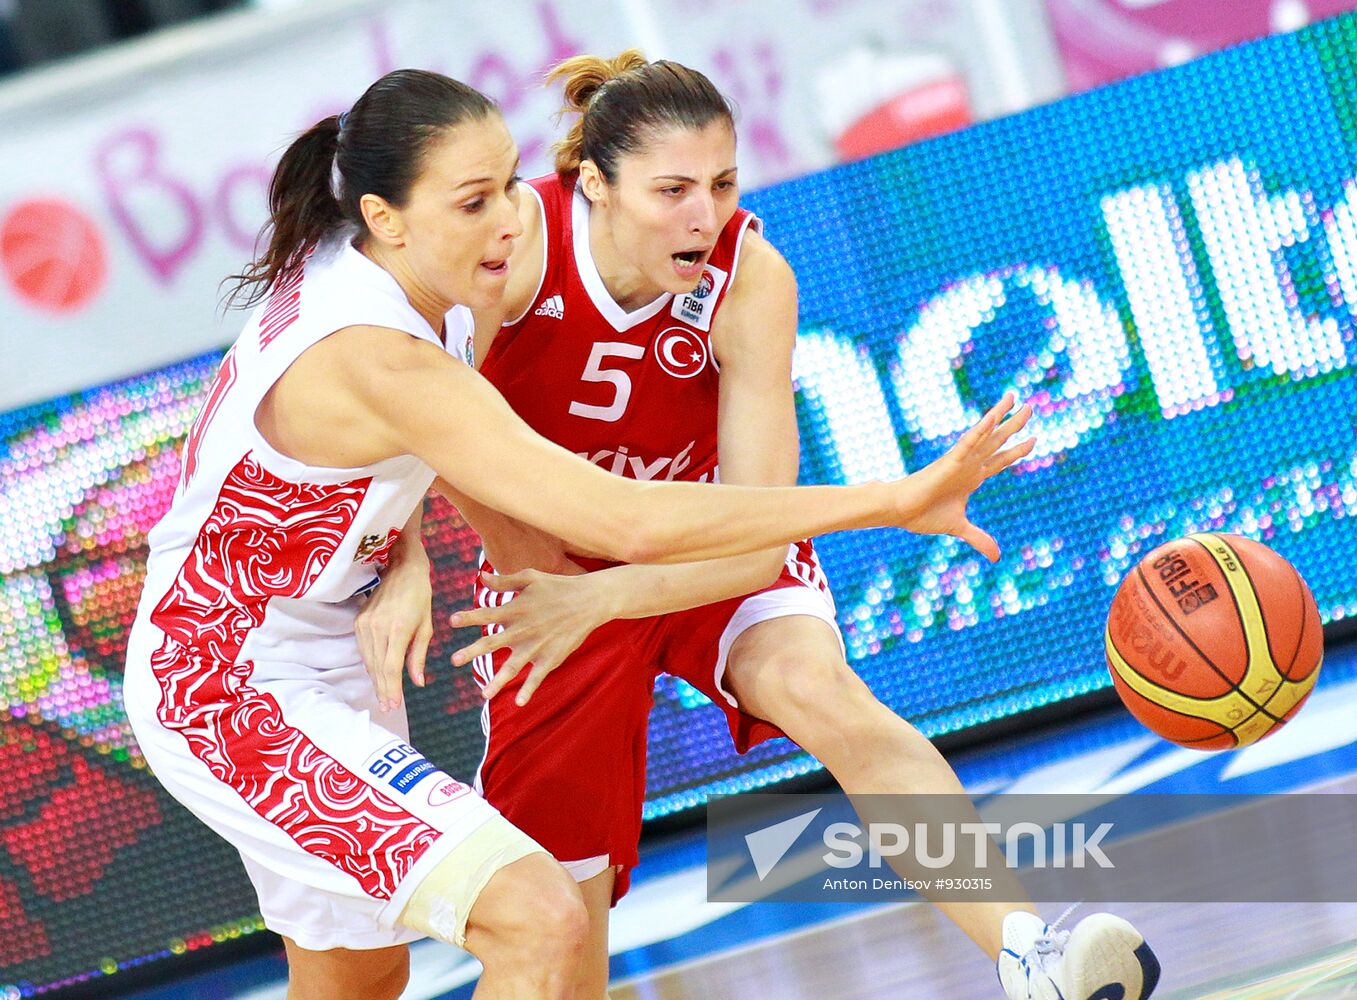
(510, 226)
(703, 220)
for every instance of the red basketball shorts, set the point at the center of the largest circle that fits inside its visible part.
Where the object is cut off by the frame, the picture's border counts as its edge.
(569, 768)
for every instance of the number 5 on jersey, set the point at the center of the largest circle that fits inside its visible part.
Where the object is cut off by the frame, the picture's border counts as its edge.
(594, 371)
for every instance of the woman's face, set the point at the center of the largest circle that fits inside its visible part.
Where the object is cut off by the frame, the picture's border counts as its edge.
(461, 218)
(669, 202)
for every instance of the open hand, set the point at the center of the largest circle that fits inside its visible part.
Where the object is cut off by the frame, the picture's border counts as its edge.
(546, 622)
(933, 500)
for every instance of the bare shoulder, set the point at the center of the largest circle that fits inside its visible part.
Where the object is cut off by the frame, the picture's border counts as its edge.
(761, 295)
(333, 404)
(760, 263)
(364, 356)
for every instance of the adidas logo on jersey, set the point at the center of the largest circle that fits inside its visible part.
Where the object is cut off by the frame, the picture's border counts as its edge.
(553, 307)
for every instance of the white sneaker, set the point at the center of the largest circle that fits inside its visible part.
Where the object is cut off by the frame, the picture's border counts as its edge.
(1102, 958)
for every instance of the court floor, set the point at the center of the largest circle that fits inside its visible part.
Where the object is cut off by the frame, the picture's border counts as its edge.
(669, 943)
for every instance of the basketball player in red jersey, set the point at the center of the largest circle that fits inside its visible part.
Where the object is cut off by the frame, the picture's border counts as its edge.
(649, 326)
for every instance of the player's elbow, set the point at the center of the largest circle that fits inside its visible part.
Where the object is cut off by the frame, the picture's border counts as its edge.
(637, 528)
(619, 534)
(647, 541)
(644, 544)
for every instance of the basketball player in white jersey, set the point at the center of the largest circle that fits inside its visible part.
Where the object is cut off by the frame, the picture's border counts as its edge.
(649, 325)
(329, 419)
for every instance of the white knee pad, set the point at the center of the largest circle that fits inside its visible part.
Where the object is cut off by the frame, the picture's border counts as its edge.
(442, 902)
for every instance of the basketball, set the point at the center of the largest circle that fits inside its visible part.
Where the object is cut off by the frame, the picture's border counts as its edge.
(1214, 641)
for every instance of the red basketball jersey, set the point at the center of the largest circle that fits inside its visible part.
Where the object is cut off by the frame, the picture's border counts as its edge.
(632, 392)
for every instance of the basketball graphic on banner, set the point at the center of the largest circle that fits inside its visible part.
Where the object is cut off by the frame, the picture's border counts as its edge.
(52, 254)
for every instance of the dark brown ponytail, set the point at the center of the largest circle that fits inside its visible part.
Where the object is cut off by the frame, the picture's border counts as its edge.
(302, 211)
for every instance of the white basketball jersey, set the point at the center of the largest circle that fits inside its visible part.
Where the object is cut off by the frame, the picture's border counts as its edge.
(244, 682)
(267, 547)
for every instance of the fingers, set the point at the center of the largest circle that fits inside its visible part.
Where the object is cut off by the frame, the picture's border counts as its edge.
(980, 432)
(482, 646)
(1016, 420)
(492, 615)
(993, 437)
(1001, 461)
(512, 668)
(381, 680)
(999, 411)
(419, 649)
(1008, 422)
(522, 655)
(391, 673)
(504, 675)
(982, 541)
(541, 666)
(481, 616)
(504, 582)
(367, 647)
(1013, 425)
(535, 677)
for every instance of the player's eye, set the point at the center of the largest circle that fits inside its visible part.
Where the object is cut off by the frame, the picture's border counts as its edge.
(473, 206)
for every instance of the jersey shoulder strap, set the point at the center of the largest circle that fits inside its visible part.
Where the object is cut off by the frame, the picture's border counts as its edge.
(696, 308)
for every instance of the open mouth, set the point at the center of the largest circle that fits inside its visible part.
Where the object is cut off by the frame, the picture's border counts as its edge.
(689, 259)
(496, 266)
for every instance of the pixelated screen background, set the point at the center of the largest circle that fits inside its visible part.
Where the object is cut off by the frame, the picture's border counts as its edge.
(1167, 268)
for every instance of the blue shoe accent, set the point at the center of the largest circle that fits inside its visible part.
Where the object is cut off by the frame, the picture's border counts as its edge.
(1149, 969)
(1113, 991)
(1149, 972)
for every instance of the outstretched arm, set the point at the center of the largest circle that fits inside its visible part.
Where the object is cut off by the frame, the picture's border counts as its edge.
(368, 393)
(942, 489)
(410, 399)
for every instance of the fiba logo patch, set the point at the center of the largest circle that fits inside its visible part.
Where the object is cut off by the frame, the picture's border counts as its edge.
(681, 352)
(695, 307)
(1175, 572)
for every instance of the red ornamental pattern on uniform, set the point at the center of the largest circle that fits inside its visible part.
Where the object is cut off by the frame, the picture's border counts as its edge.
(269, 538)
